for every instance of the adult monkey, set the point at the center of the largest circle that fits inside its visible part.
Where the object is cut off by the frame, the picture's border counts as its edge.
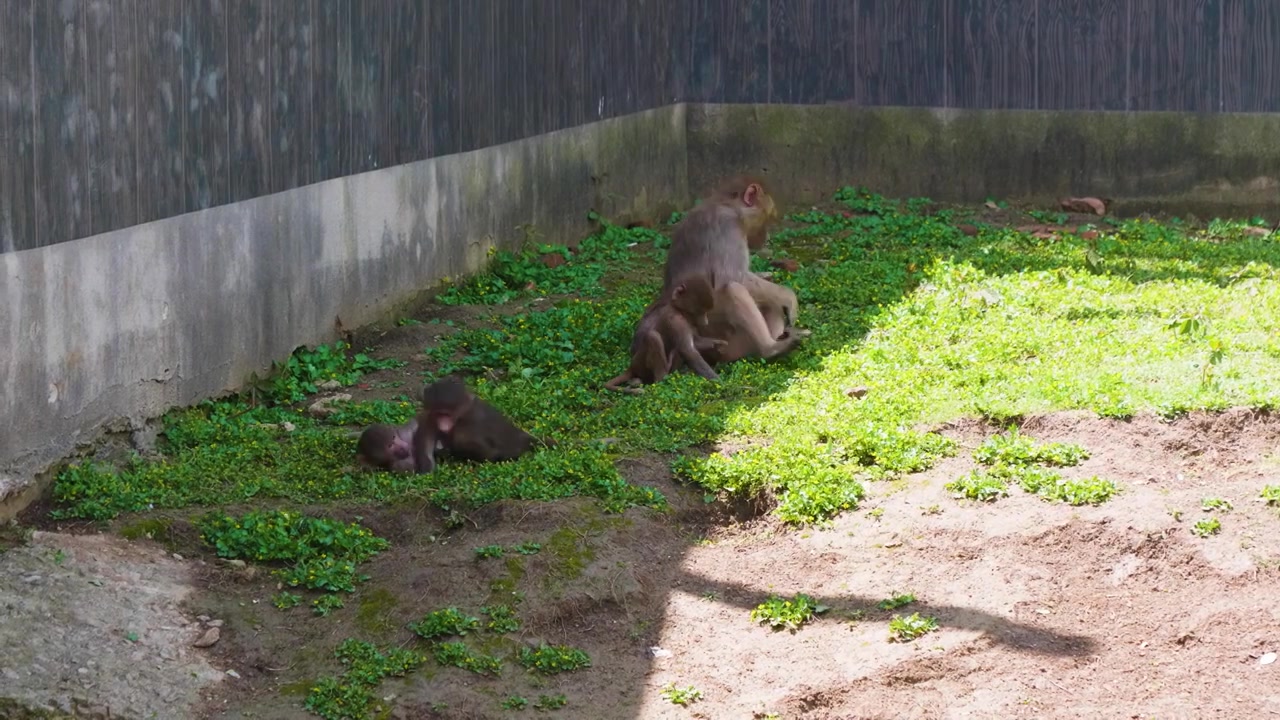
(753, 315)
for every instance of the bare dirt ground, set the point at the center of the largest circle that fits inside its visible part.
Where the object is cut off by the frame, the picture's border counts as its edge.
(1045, 611)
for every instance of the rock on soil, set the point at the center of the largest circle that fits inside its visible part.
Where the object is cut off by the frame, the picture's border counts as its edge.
(91, 623)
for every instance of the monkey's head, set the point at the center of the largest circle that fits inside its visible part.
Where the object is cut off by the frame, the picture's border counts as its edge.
(694, 296)
(446, 400)
(380, 446)
(755, 206)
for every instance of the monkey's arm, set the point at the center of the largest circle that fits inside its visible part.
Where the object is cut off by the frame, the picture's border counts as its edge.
(694, 359)
(424, 447)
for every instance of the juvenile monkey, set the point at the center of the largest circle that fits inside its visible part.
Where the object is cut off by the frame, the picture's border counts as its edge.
(455, 420)
(389, 447)
(715, 238)
(667, 331)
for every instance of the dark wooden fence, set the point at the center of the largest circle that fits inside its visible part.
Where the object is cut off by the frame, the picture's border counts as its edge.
(118, 112)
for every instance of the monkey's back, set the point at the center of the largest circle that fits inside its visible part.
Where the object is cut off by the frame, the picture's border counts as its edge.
(708, 239)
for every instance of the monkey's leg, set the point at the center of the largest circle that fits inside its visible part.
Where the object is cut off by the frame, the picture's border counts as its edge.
(748, 320)
(777, 303)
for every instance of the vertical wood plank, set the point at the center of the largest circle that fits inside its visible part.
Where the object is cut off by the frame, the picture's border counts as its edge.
(332, 127)
(569, 74)
(651, 26)
(800, 44)
(249, 97)
(477, 80)
(18, 228)
(512, 40)
(291, 57)
(991, 54)
(441, 109)
(1251, 56)
(110, 131)
(1173, 54)
(1083, 47)
(59, 47)
(403, 61)
(730, 60)
(367, 110)
(669, 43)
(900, 54)
(542, 98)
(611, 81)
(204, 74)
(161, 113)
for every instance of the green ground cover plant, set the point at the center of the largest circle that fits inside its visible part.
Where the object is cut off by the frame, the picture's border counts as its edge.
(929, 322)
(350, 695)
(319, 553)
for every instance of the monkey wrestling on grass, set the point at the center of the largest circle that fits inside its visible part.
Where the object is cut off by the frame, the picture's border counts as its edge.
(453, 420)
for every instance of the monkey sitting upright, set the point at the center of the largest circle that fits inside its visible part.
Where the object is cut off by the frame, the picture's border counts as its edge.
(715, 238)
(667, 331)
(453, 419)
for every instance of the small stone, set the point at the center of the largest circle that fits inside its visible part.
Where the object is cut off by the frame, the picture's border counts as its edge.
(967, 229)
(82, 671)
(324, 407)
(1257, 231)
(552, 260)
(329, 385)
(30, 579)
(11, 674)
(236, 563)
(203, 618)
(215, 623)
(1089, 235)
(658, 652)
(233, 673)
(210, 636)
(857, 392)
(1267, 659)
(288, 426)
(177, 557)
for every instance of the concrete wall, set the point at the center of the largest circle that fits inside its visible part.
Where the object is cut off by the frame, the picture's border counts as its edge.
(1176, 162)
(130, 323)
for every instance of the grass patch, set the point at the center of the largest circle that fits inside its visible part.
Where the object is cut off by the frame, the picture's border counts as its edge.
(445, 623)
(321, 554)
(350, 696)
(909, 627)
(682, 696)
(1015, 458)
(779, 613)
(553, 659)
(933, 324)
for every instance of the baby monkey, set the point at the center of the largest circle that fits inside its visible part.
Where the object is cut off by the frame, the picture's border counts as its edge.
(387, 447)
(453, 419)
(667, 333)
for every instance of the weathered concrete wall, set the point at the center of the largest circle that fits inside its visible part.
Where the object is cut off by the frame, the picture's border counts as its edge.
(130, 323)
(1176, 162)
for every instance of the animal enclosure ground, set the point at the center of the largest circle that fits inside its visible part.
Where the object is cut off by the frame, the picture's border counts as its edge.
(1116, 557)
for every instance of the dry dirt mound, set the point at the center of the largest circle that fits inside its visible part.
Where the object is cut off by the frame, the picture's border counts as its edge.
(91, 625)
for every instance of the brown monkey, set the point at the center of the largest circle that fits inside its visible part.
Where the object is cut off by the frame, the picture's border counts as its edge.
(716, 238)
(389, 447)
(667, 331)
(455, 420)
